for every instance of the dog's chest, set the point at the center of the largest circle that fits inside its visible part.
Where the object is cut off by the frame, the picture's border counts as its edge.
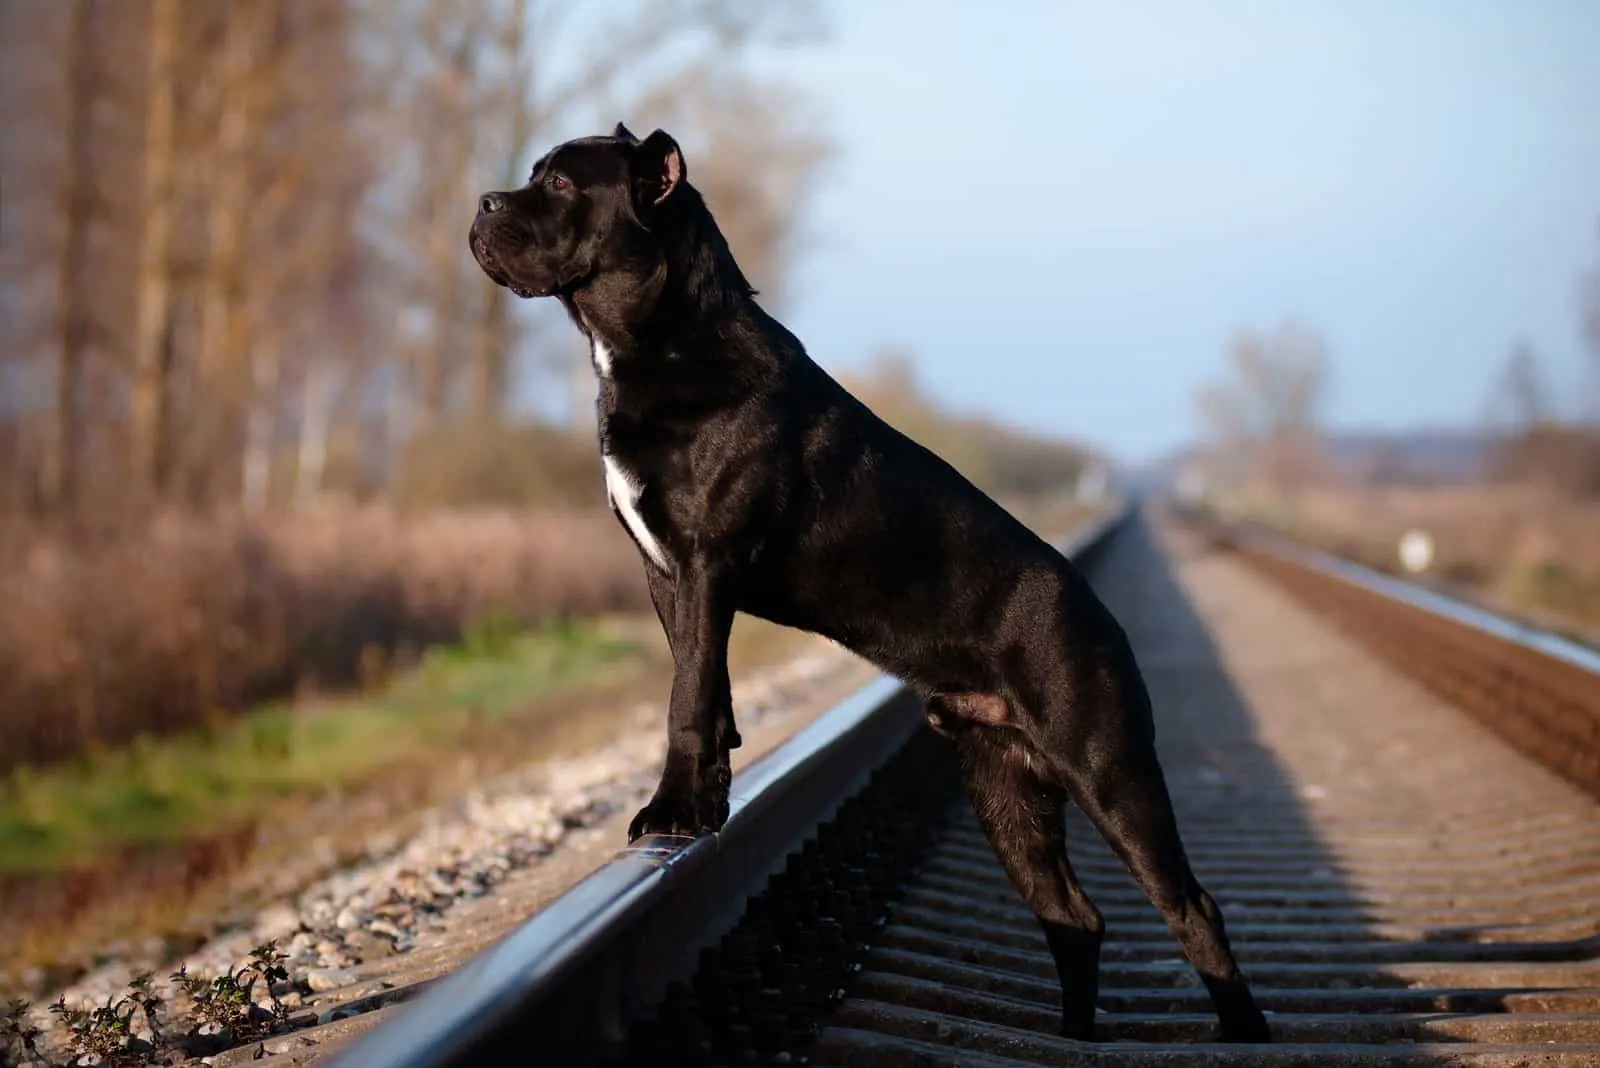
(625, 485)
(624, 488)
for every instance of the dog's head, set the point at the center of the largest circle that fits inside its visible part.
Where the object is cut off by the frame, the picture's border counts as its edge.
(589, 208)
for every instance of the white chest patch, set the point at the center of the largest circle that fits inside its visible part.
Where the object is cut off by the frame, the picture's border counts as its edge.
(602, 358)
(624, 490)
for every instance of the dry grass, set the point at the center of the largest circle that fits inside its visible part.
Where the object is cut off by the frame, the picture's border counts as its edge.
(1523, 550)
(187, 622)
(104, 638)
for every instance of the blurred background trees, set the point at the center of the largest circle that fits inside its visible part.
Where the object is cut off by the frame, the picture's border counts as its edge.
(232, 238)
(1536, 442)
(235, 282)
(1548, 431)
(1261, 417)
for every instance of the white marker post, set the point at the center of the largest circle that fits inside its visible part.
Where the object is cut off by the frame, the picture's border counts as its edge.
(1416, 551)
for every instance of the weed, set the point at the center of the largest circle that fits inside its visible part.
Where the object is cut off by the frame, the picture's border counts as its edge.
(19, 1039)
(226, 1006)
(490, 637)
(106, 1033)
(225, 1012)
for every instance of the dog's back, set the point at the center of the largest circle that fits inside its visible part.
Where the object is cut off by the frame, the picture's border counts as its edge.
(885, 547)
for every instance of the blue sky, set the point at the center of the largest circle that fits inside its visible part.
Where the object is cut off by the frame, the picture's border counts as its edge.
(1065, 209)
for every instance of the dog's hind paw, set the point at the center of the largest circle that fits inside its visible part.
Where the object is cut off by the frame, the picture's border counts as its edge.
(1255, 1030)
(1077, 1029)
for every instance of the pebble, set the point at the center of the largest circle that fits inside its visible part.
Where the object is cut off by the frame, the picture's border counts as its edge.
(279, 921)
(458, 850)
(322, 980)
(367, 945)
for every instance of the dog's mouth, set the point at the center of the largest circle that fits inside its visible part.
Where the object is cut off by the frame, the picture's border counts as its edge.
(498, 274)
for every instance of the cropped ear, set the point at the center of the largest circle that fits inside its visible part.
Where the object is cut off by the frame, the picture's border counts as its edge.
(624, 133)
(658, 168)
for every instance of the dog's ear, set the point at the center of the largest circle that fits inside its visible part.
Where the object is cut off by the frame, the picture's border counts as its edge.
(658, 168)
(624, 133)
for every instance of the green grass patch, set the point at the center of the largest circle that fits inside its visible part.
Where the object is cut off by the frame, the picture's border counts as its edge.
(163, 790)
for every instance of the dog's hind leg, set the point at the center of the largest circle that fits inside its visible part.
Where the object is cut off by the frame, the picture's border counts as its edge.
(1022, 815)
(1127, 801)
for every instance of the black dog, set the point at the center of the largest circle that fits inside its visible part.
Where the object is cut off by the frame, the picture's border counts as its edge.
(752, 481)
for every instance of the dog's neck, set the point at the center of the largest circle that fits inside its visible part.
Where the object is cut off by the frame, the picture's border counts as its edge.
(684, 295)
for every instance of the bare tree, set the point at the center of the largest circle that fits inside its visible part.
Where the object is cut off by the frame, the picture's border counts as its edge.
(1534, 443)
(223, 369)
(310, 176)
(59, 469)
(1263, 417)
(148, 434)
(1589, 311)
(1523, 394)
(494, 337)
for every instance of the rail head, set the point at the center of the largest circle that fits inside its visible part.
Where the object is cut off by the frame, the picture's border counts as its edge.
(604, 952)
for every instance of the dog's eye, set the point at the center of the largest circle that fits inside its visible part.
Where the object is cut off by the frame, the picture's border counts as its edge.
(559, 181)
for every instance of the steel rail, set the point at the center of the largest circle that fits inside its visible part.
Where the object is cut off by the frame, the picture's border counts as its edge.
(1537, 690)
(1421, 598)
(602, 955)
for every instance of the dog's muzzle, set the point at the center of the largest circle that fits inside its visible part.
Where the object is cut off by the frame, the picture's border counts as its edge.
(488, 236)
(483, 250)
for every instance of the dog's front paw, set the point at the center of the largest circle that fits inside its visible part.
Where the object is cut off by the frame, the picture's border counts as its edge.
(675, 814)
(687, 811)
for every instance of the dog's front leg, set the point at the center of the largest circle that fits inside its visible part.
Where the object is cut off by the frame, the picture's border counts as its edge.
(663, 595)
(692, 797)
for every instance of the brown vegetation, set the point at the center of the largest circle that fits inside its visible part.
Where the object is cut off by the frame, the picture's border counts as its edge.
(1537, 443)
(104, 639)
(106, 635)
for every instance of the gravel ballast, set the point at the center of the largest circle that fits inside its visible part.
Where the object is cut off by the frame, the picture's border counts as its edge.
(407, 886)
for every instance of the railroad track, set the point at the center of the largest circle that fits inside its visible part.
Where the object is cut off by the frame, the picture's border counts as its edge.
(1401, 884)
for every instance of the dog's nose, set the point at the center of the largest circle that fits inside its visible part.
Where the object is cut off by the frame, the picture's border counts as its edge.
(491, 203)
